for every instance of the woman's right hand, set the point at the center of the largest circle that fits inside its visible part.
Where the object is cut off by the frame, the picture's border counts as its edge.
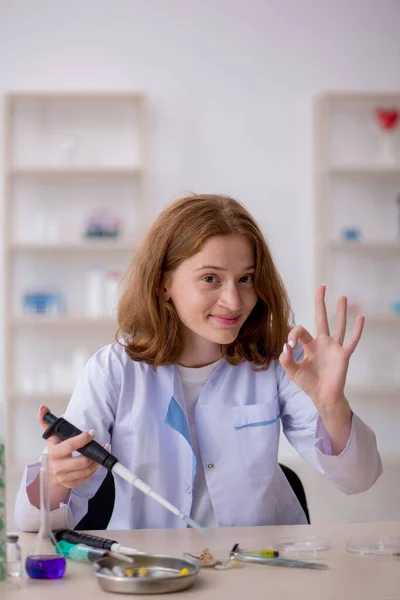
(66, 470)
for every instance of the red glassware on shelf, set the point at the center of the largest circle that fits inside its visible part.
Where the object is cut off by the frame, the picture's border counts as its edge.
(388, 119)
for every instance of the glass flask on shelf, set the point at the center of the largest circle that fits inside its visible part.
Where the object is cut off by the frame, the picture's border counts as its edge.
(388, 120)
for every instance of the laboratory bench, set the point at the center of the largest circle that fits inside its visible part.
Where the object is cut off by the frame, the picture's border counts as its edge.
(350, 575)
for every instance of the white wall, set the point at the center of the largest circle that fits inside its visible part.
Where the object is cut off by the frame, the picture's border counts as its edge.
(231, 84)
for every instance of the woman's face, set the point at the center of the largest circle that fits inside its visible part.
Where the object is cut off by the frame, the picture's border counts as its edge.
(213, 294)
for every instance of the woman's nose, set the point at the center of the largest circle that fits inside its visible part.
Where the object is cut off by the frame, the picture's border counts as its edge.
(231, 298)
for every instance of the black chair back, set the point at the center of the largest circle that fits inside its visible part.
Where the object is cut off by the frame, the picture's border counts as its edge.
(101, 506)
(297, 487)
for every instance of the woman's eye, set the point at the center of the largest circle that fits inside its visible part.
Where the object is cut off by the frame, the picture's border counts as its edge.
(209, 278)
(247, 279)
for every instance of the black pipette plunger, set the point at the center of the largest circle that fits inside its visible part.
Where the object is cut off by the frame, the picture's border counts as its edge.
(64, 430)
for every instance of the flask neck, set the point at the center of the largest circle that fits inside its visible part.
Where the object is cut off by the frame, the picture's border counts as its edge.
(44, 528)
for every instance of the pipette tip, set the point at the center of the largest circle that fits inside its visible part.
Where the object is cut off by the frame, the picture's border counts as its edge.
(121, 556)
(197, 526)
(128, 551)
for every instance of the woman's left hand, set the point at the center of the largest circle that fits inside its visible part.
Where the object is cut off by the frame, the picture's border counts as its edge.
(322, 372)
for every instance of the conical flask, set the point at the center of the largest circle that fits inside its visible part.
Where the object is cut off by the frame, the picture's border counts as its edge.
(42, 561)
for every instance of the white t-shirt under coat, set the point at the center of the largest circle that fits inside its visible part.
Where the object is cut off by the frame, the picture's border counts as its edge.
(193, 380)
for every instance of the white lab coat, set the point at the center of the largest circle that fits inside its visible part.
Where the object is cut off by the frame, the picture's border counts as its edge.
(238, 415)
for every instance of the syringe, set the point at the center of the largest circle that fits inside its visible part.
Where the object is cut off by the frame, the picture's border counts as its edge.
(63, 429)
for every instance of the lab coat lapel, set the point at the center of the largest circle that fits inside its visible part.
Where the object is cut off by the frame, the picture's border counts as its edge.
(176, 415)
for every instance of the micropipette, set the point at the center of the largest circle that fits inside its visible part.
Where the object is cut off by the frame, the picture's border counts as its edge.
(64, 430)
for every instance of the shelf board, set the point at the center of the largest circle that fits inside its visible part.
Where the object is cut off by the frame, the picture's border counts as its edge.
(372, 319)
(76, 95)
(383, 319)
(370, 247)
(75, 171)
(43, 397)
(374, 96)
(15, 469)
(54, 321)
(372, 169)
(390, 459)
(373, 391)
(106, 245)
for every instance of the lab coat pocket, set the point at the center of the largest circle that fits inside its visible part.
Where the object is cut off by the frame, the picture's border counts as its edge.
(257, 433)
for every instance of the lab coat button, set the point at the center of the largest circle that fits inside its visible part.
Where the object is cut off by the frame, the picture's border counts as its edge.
(210, 466)
(189, 490)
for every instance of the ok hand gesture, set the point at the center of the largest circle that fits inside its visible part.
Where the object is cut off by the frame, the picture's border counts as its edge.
(322, 372)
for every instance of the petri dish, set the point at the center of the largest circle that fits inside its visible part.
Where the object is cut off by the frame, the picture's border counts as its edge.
(308, 546)
(376, 545)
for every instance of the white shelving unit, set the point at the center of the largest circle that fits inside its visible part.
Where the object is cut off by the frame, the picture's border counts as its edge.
(355, 189)
(366, 247)
(62, 321)
(367, 392)
(66, 155)
(104, 171)
(363, 170)
(76, 248)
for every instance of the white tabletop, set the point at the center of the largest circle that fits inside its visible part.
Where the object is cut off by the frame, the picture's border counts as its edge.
(350, 576)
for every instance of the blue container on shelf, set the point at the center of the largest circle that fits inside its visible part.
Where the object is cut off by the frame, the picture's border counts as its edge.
(396, 307)
(350, 234)
(43, 303)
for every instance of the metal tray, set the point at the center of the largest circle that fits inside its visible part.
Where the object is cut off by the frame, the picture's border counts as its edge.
(163, 574)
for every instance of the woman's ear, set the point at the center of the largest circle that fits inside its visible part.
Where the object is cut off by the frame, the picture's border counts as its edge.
(165, 288)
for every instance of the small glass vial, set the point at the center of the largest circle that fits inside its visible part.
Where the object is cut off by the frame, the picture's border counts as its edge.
(14, 567)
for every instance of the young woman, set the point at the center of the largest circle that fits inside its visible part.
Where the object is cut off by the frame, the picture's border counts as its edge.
(206, 368)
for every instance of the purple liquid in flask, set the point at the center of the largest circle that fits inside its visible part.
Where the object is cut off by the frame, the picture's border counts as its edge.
(43, 561)
(45, 567)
